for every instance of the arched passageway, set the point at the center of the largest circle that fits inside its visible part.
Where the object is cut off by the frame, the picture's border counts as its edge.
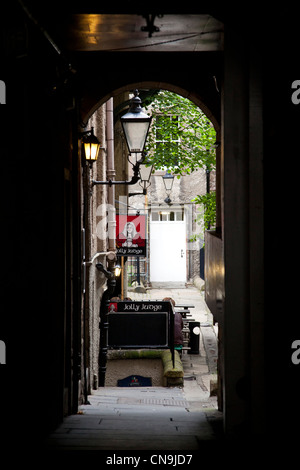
(44, 212)
(203, 102)
(227, 248)
(123, 93)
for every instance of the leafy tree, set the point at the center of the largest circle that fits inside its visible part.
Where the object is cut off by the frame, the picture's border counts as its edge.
(182, 137)
(209, 202)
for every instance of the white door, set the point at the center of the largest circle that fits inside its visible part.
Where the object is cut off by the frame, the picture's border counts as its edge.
(167, 251)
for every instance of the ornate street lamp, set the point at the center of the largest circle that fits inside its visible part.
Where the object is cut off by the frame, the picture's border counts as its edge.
(145, 172)
(168, 180)
(136, 124)
(145, 175)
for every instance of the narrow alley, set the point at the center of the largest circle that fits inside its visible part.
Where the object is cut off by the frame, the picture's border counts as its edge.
(153, 418)
(61, 203)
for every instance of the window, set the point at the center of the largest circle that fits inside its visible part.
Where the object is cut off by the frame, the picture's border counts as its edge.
(167, 216)
(155, 216)
(166, 128)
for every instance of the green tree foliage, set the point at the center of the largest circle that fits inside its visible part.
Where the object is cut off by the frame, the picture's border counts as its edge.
(209, 202)
(181, 137)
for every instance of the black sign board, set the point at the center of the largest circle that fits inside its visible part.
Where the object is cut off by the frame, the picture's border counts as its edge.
(138, 330)
(135, 325)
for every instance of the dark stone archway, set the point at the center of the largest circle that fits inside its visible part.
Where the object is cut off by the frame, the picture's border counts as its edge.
(192, 75)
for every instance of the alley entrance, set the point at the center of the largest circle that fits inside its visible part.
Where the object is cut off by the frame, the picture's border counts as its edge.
(172, 259)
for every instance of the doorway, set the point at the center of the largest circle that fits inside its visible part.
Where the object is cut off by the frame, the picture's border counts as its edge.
(168, 248)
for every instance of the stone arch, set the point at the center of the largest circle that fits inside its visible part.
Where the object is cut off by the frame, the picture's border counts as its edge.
(97, 98)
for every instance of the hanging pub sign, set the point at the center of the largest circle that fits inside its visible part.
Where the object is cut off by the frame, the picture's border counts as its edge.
(131, 235)
(140, 324)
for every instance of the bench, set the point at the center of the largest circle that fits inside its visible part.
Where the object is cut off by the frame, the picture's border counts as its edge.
(173, 376)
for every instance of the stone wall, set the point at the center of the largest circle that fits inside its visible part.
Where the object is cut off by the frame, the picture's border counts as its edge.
(121, 368)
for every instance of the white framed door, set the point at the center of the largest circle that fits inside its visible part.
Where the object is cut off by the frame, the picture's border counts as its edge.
(167, 251)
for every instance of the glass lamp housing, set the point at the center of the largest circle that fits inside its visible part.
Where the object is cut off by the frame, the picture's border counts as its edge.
(136, 125)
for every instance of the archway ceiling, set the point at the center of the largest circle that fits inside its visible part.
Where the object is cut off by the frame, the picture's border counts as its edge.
(123, 32)
(104, 44)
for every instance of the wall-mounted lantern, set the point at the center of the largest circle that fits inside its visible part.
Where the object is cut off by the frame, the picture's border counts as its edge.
(91, 146)
(118, 270)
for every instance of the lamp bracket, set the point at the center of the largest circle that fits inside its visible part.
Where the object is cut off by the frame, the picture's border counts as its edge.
(111, 255)
(110, 182)
(101, 268)
(82, 133)
(139, 194)
(135, 178)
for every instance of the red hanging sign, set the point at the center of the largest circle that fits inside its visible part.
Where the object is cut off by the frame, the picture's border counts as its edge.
(131, 235)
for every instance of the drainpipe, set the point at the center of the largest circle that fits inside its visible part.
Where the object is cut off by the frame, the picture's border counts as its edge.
(111, 173)
(107, 294)
(111, 282)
